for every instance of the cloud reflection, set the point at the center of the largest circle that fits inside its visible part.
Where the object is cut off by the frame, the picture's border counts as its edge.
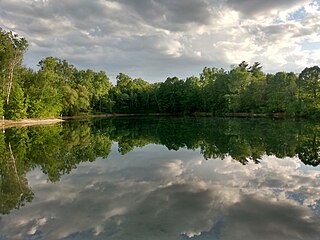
(154, 193)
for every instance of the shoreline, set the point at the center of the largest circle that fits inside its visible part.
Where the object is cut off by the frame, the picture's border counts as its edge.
(108, 115)
(47, 121)
(29, 122)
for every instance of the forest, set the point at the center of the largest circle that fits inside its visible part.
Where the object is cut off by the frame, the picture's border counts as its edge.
(59, 88)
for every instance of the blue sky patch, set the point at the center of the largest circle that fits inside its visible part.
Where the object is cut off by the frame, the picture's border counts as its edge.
(298, 15)
(310, 45)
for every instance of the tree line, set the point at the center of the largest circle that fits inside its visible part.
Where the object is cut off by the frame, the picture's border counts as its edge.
(60, 88)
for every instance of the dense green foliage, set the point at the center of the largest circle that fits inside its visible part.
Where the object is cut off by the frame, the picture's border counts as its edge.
(242, 139)
(58, 149)
(58, 88)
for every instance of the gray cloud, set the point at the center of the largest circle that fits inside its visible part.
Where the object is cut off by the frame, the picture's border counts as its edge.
(287, 221)
(255, 7)
(155, 39)
(172, 15)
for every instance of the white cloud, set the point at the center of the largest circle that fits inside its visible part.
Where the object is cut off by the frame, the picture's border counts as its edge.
(112, 5)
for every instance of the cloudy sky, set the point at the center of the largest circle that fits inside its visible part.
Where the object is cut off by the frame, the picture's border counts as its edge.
(154, 39)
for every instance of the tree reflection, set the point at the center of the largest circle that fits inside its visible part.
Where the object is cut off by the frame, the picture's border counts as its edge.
(55, 150)
(243, 139)
(14, 189)
(309, 147)
(59, 149)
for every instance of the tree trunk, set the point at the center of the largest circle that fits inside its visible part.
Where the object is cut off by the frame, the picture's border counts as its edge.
(13, 65)
(10, 81)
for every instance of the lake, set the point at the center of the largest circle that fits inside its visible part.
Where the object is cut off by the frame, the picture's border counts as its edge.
(161, 178)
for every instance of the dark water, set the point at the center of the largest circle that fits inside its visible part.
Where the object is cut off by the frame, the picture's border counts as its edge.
(161, 178)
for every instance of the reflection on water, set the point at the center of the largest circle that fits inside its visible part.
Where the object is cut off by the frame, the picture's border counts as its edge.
(161, 178)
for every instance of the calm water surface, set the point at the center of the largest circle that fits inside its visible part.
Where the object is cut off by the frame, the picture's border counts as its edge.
(161, 178)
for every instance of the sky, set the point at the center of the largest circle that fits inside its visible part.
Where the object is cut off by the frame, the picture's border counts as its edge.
(156, 39)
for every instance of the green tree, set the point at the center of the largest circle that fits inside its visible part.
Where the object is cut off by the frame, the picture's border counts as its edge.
(70, 98)
(100, 100)
(309, 86)
(309, 81)
(218, 96)
(83, 99)
(17, 107)
(44, 90)
(207, 80)
(12, 48)
(281, 92)
(238, 81)
(191, 99)
(171, 95)
(256, 69)
(123, 93)
(154, 92)
(254, 98)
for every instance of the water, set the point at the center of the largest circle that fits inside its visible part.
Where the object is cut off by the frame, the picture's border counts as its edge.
(161, 178)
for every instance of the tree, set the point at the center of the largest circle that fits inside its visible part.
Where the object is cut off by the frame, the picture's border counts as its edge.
(207, 79)
(244, 66)
(44, 90)
(309, 81)
(100, 95)
(154, 92)
(255, 69)
(70, 98)
(238, 80)
(281, 91)
(75, 100)
(253, 99)
(191, 100)
(309, 87)
(12, 48)
(83, 99)
(122, 93)
(171, 94)
(218, 97)
(17, 106)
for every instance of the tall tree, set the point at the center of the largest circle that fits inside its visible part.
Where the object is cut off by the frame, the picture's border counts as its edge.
(123, 93)
(171, 95)
(12, 48)
(219, 90)
(191, 99)
(309, 81)
(17, 107)
(238, 80)
(281, 92)
(207, 79)
(44, 90)
(100, 99)
(256, 68)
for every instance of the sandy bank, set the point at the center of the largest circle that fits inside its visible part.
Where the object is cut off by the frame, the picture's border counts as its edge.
(29, 122)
